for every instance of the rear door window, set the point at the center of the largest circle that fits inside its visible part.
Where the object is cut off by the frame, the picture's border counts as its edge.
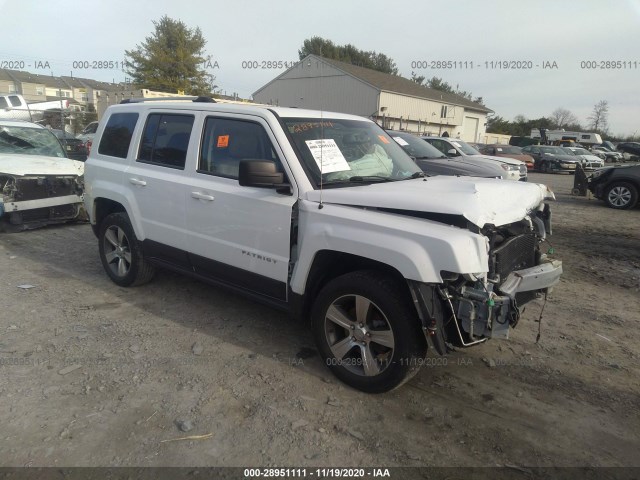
(165, 140)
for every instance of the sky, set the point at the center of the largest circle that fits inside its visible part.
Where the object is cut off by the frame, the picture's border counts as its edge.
(57, 36)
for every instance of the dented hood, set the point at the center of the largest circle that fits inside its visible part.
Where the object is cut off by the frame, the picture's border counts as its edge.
(30, 165)
(480, 200)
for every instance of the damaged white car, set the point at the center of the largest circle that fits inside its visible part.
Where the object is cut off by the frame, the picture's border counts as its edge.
(322, 215)
(40, 185)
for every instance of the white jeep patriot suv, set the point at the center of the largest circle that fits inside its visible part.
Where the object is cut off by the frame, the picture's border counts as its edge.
(323, 215)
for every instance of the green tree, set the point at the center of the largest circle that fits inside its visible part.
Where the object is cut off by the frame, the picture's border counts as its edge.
(439, 84)
(497, 124)
(348, 54)
(419, 79)
(171, 59)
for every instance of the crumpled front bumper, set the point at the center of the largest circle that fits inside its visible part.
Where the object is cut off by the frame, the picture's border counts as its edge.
(539, 277)
(488, 314)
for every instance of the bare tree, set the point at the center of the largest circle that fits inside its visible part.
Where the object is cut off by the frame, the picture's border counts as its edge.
(562, 117)
(599, 118)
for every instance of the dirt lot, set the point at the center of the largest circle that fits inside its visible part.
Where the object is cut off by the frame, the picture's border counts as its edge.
(93, 374)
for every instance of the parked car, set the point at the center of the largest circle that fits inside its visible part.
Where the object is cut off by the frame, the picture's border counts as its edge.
(516, 170)
(587, 159)
(550, 159)
(509, 151)
(607, 154)
(433, 162)
(631, 148)
(617, 186)
(322, 215)
(40, 185)
(15, 107)
(87, 134)
(74, 147)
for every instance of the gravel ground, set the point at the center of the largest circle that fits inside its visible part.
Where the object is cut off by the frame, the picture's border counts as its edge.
(92, 374)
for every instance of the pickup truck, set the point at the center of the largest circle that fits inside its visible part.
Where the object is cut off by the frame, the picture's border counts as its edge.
(15, 107)
(322, 215)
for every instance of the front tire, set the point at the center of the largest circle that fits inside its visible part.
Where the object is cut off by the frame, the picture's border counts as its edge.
(121, 253)
(621, 195)
(367, 331)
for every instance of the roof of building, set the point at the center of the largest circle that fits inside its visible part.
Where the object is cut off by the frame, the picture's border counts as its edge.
(80, 82)
(28, 77)
(398, 84)
(64, 82)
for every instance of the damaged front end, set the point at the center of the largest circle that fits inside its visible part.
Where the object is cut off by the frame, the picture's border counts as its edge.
(467, 309)
(30, 201)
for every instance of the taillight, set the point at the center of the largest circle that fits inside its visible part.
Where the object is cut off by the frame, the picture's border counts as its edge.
(88, 146)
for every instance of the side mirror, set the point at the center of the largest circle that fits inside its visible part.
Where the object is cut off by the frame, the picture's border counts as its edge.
(452, 152)
(259, 173)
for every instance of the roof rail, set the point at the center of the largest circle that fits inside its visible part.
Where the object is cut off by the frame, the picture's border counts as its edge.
(193, 99)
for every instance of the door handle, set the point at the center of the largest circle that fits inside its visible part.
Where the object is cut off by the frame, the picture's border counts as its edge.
(202, 196)
(137, 181)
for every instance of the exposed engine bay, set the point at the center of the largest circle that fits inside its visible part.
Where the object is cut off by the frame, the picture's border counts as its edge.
(470, 308)
(32, 201)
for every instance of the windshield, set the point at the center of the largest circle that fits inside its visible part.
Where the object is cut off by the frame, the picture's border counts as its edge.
(29, 141)
(553, 150)
(416, 147)
(348, 151)
(464, 147)
(581, 151)
(508, 149)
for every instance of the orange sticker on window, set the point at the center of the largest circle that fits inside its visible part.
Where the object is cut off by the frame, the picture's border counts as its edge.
(223, 141)
(383, 139)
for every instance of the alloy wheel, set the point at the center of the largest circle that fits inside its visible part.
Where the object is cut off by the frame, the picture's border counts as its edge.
(117, 251)
(359, 335)
(619, 196)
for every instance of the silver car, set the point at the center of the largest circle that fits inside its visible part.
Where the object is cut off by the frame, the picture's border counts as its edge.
(453, 147)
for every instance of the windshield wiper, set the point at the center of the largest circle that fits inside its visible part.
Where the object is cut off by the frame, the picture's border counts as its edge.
(370, 178)
(416, 175)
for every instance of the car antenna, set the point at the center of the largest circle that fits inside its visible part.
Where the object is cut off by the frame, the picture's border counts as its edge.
(320, 205)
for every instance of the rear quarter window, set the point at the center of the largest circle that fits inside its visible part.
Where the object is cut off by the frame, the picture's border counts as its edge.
(117, 135)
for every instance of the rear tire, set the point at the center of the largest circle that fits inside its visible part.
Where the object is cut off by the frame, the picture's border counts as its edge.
(121, 253)
(368, 332)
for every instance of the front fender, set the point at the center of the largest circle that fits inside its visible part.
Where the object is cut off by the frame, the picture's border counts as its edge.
(419, 249)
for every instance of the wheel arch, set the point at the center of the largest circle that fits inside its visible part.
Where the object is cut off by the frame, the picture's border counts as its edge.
(330, 264)
(102, 207)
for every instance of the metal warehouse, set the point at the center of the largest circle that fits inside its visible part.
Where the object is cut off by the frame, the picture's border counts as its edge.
(393, 101)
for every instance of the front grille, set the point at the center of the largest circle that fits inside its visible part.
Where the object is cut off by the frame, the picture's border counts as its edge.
(523, 169)
(44, 187)
(516, 253)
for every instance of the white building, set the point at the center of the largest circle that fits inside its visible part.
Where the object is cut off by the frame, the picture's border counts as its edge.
(393, 101)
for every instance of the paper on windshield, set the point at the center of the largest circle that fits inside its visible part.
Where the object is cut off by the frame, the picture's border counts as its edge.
(327, 155)
(401, 141)
(456, 144)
